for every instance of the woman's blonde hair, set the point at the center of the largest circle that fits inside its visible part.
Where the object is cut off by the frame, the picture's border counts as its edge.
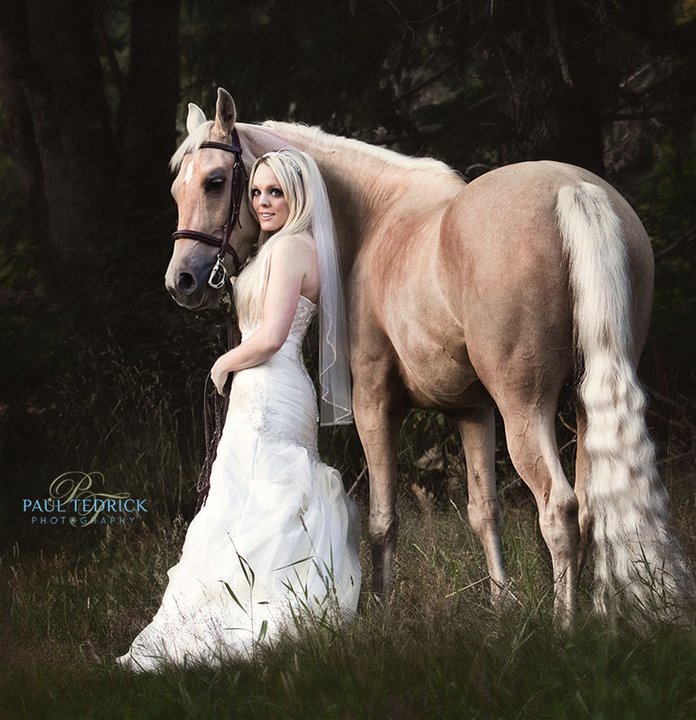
(309, 211)
(287, 166)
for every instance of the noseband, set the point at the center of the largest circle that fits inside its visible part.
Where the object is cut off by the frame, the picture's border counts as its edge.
(218, 274)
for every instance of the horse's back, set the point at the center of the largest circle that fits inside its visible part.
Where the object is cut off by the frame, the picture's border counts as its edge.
(502, 263)
(506, 268)
(480, 290)
(507, 225)
(528, 192)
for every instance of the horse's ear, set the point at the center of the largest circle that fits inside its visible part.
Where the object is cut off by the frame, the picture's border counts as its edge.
(225, 112)
(195, 117)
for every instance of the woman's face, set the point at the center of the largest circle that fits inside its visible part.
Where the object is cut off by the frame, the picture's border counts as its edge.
(268, 200)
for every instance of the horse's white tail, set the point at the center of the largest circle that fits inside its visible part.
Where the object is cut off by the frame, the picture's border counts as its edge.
(638, 564)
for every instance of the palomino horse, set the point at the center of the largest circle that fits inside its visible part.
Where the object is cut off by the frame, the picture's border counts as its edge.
(465, 297)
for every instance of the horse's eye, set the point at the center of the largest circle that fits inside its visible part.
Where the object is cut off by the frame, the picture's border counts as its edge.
(214, 184)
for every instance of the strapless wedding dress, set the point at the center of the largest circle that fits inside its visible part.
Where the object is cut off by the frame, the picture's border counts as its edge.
(276, 542)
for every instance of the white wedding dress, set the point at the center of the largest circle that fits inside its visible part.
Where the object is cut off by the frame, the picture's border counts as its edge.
(276, 542)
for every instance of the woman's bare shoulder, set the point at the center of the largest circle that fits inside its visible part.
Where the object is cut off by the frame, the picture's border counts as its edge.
(294, 247)
(295, 241)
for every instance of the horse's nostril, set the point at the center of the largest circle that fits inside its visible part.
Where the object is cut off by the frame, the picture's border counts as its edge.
(186, 283)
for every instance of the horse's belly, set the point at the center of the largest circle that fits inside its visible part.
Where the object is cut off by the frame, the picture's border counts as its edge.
(475, 395)
(435, 379)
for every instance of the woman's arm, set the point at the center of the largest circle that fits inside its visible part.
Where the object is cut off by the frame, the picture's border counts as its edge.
(292, 260)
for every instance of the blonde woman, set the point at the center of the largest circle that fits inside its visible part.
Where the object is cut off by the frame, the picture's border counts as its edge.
(276, 541)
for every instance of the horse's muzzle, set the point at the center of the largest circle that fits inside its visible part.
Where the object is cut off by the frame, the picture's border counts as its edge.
(191, 291)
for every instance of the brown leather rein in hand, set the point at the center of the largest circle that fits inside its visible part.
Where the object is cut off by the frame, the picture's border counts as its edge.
(217, 280)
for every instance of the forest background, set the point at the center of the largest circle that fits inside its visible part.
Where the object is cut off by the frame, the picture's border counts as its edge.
(101, 372)
(92, 101)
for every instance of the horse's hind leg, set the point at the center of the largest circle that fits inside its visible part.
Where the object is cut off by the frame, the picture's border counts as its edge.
(531, 439)
(582, 476)
(477, 430)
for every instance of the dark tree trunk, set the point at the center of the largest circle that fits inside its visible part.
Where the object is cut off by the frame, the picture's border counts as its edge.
(18, 132)
(152, 97)
(58, 68)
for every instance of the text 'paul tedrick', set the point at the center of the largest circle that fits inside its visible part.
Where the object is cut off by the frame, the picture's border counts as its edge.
(73, 501)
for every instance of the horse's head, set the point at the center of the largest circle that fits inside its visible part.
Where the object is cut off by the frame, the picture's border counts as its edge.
(209, 193)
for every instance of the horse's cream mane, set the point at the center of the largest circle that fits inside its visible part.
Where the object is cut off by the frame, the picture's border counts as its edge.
(192, 143)
(316, 136)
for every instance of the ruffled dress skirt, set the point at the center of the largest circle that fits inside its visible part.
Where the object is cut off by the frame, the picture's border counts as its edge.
(276, 543)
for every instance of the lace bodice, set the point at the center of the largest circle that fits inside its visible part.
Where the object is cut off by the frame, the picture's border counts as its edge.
(277, 397)
(300, 324)
(303, 318)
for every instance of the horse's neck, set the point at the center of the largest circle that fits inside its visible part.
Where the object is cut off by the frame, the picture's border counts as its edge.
(362, 182)
(337, 167)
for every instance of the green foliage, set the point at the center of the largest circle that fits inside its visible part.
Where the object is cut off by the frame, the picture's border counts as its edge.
(99, 411)
(662, 199)
(670, 218)
(17, 269)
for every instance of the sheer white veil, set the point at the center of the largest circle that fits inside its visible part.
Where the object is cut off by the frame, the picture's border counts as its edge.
(310, 210)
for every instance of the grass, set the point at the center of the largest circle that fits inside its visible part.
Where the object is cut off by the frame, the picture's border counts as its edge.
(72, 599)
(438, 652)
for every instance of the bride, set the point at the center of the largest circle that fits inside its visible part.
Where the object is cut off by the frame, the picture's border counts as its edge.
(276, 542)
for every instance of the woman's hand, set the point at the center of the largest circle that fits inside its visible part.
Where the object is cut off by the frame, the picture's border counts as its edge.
(219, 373)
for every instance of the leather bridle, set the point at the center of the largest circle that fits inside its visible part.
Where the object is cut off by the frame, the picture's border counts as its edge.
(217, 280)
(238, 183)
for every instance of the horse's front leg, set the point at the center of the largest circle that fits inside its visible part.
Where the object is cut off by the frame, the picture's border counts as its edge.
(379, 412)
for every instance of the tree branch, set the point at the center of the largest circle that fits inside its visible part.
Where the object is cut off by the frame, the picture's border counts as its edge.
(425, 83)
(552, 20)
(669, 250)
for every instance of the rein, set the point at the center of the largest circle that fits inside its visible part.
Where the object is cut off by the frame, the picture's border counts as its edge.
(215, 409)
(215, 419)
(218, 275)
